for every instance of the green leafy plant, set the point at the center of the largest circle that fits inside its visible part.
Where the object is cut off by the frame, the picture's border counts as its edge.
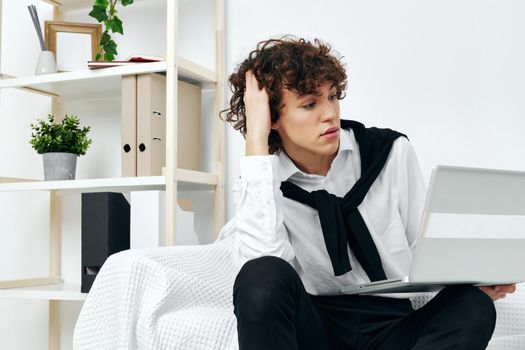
(104, 12)
(66, 136)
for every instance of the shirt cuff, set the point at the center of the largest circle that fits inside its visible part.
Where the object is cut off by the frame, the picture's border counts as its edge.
(255, 168)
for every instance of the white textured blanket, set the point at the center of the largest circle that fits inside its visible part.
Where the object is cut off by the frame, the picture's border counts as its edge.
(181, 298)
(163, 298)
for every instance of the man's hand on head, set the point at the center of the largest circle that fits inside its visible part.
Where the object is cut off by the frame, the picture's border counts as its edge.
(258, 118)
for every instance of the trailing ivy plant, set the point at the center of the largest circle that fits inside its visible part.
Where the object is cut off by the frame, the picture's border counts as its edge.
(104, 12)
(66, 136)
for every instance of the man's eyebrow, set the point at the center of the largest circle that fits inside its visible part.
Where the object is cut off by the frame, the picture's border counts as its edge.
(303, 97)
(316, 93)
(309, 94)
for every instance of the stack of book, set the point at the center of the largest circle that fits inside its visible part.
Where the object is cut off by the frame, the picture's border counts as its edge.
(132, 59)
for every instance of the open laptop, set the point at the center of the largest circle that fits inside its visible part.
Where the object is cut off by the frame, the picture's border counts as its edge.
(472, 232)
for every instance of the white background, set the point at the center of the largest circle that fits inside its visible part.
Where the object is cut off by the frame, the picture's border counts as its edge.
(449, 74)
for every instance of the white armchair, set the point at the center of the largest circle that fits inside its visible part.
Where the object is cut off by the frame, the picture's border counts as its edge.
(181, 298)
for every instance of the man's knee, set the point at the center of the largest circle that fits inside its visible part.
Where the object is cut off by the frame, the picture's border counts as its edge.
(261, 282)
(264, 270)
(475, 309)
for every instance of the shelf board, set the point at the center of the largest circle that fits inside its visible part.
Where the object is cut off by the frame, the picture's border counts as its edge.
(187, 180)
(123, 184)
(83, 83)
(101, 82)
(191, 180)
(15, 179)
(57, 291)
(194, 72)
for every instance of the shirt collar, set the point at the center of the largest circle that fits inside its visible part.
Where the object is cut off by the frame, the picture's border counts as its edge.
(288, 168)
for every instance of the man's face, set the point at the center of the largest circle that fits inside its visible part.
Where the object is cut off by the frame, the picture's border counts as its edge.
(309, 125)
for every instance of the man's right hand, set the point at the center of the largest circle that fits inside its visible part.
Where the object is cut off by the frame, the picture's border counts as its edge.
(499, 291)
(258, 118)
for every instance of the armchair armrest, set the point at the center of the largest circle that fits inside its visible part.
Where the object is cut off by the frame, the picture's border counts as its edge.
(170, 297)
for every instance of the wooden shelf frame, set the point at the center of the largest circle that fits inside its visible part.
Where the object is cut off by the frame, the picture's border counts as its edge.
(176, 66)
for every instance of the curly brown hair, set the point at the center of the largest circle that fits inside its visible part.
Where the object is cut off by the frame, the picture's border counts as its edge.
(298, 65)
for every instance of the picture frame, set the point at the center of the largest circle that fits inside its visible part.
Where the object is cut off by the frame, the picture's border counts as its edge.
(72, 43)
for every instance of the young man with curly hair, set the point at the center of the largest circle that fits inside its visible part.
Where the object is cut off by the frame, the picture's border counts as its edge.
(323, 203)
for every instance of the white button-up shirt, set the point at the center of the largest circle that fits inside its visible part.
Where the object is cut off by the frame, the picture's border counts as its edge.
(266, 223)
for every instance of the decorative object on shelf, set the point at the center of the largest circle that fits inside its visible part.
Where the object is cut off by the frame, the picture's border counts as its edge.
(133, 59)
(46, 60)
(104, 11)
(137, 57)
(46, 63)
(72, 43)
(60, 144)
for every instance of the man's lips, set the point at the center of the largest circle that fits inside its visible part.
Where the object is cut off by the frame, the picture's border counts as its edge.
(330, 130)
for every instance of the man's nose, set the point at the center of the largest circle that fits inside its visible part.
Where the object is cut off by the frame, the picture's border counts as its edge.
(328, 111)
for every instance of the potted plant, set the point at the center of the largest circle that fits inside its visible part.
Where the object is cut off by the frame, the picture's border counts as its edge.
(104, 11)
(60, 144)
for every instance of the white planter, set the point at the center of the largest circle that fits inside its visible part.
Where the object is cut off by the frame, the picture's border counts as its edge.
(59, 166)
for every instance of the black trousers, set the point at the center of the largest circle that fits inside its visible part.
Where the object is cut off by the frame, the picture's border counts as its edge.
(275, 312)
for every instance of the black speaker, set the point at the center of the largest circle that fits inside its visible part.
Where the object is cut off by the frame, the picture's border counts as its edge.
(105, 231)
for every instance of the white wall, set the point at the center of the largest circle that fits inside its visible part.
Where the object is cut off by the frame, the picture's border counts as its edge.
(449, 74)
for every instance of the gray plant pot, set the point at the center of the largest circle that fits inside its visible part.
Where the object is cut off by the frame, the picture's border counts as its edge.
(59, 166)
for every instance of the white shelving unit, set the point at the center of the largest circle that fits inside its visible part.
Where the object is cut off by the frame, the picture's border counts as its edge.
(93, 84)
